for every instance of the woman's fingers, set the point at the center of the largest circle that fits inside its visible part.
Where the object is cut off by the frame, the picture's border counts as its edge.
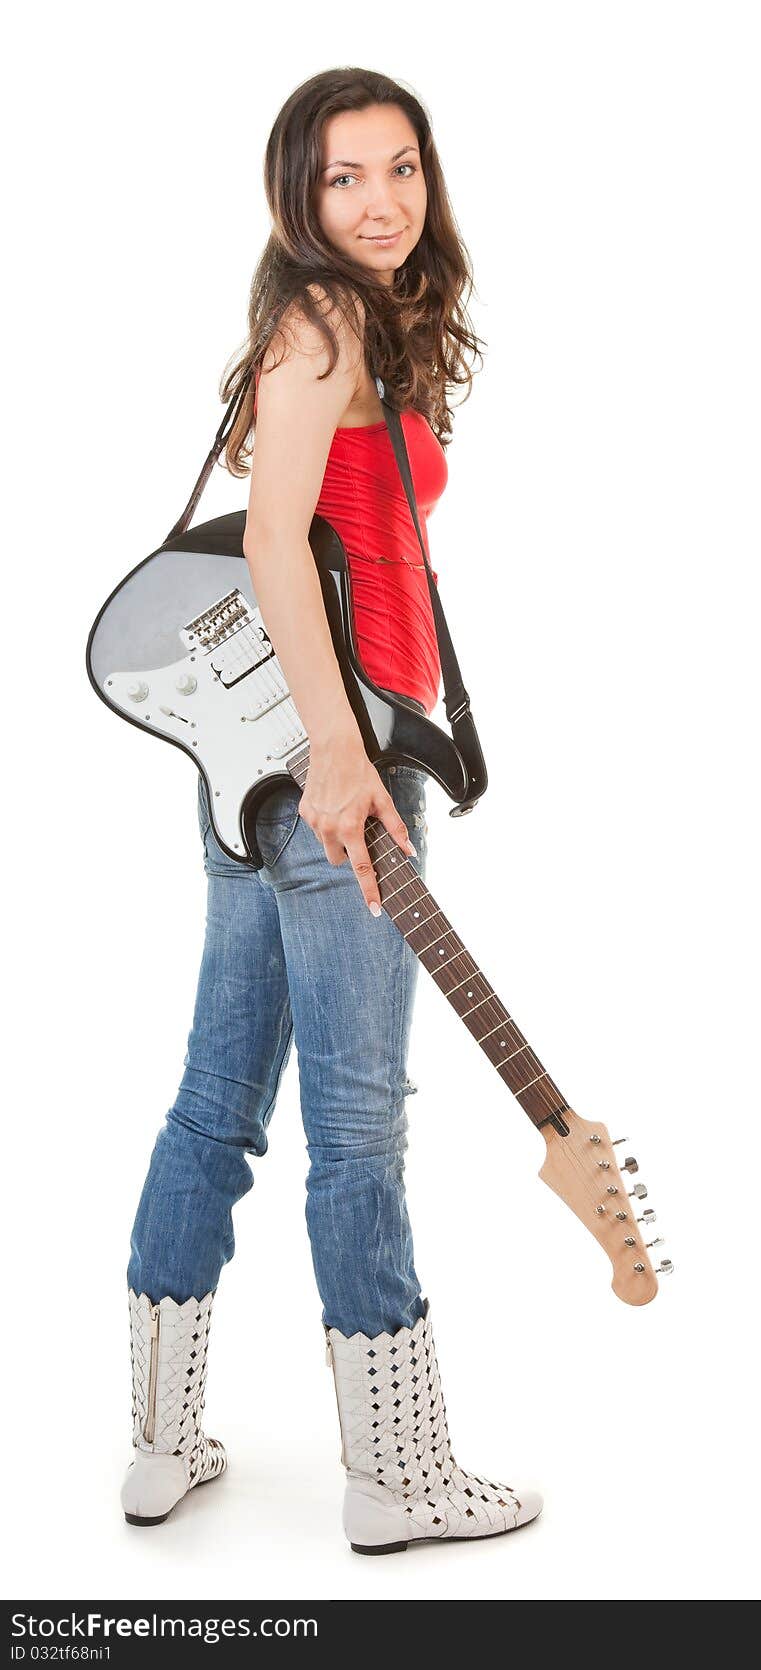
(353, 845)
(359, 856)
(364, 870)
(344, 833)
(362, 864)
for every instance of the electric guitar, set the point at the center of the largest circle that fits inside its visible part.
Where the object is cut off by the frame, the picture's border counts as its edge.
(180, 650)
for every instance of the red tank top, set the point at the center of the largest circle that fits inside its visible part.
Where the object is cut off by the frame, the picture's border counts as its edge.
(363, 498)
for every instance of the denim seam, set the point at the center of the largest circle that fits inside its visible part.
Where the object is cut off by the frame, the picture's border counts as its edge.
(268, 1111)
(402, 995)
(404, 985)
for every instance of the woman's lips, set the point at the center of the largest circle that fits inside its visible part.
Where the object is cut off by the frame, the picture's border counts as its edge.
(385, 238)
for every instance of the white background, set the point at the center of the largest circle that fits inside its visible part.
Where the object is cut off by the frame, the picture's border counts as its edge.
(598, 551)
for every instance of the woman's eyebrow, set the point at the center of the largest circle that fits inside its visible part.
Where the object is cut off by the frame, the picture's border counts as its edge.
(342, 162)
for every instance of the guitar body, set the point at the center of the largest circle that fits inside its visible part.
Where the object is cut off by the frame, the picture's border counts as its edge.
(180, 649)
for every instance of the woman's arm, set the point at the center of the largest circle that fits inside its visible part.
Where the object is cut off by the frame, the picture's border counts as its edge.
(296, 419)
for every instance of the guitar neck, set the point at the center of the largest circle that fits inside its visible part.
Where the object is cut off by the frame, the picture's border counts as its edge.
(429, 933)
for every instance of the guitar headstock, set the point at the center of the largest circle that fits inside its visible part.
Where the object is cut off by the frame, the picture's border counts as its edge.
(583, 1170)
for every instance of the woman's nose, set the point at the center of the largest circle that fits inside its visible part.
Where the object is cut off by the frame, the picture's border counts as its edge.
(380, 201)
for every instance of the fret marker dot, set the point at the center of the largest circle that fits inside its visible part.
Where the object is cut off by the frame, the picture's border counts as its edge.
(416, 912)
(441, 953)
(502, 1045)
(470, 994)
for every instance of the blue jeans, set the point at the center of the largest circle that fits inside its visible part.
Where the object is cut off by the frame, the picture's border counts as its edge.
(292, 952)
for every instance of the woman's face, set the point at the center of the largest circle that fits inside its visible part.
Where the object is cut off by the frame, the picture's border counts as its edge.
(371, 184)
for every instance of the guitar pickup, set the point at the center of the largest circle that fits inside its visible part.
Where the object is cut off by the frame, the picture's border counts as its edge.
(267, 703)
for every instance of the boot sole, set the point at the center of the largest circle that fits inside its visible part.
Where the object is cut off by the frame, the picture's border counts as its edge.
(401, 1547)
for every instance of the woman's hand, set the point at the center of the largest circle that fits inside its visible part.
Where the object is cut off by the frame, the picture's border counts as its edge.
(341, 791)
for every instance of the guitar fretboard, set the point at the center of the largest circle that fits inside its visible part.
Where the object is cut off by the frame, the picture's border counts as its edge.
(429, 933)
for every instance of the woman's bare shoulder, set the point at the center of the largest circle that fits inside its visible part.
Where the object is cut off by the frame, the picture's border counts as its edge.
(297, 333)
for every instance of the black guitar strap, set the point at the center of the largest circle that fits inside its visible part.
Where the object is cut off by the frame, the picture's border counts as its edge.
(456, 698)
(183, 521)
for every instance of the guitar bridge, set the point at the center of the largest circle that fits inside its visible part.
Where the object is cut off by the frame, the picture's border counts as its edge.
(233, 632)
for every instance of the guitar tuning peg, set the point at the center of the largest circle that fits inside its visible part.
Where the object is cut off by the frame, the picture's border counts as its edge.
(639, 1190)
(658, 1242)
(665, 1268)
(618, 1142)
(648, 1217)
(630, 1164)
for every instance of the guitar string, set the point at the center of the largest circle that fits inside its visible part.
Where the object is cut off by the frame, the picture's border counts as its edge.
(412, 879)
(574, 1161)
(594, 1195)
(489, 998)
(485, 1003)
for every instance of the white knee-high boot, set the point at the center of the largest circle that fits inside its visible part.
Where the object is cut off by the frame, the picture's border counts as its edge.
(168, 1345)
(403, 1484)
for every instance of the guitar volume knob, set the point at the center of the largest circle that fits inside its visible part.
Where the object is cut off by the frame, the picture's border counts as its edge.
(187, 684)
(137, 690)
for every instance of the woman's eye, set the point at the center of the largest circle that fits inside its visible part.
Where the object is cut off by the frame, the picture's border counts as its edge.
(340, 177)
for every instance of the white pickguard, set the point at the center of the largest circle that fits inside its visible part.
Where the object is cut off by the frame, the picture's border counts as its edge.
(230, 678)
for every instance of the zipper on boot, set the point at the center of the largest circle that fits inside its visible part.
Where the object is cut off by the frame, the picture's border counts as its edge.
(149, 1427)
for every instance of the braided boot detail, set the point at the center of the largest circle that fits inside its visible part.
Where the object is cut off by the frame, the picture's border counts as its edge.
(172, 1454)
(403, 1482)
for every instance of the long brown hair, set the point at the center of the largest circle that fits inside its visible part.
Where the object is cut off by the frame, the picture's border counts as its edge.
(416, 331)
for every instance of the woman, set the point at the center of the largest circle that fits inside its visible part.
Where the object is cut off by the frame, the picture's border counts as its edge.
(364, 268)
